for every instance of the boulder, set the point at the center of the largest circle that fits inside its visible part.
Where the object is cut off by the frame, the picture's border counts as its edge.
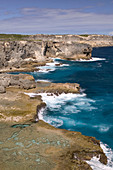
(2, 89)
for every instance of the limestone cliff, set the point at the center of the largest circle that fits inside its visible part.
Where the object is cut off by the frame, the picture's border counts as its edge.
(68, 50)
(18, 54)
(40, 48)
(93, 40)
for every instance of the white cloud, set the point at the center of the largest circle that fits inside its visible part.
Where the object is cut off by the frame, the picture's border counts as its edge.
(111, 33)
(36, 20)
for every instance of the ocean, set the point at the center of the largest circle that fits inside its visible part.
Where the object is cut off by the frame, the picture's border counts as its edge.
(91, 111)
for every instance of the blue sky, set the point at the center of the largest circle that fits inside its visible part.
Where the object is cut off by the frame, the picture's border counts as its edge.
(56, 16)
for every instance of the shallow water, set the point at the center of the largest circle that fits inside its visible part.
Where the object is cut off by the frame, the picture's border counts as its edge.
(90, 112)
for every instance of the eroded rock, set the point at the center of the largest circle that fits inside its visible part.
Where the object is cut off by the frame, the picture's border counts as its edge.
(24, 81)
(16, 55)
(57, 88)
(2, 89)
(41, 146)
(68, 50)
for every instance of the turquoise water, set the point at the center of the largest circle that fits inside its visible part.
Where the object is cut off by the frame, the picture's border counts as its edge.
(91, 112)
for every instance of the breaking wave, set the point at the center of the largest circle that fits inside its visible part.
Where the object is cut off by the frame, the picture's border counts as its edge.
(65, 104)
(49, 67)
(97, 165)
(92, 59)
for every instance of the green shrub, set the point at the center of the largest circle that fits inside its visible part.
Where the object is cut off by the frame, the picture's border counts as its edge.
(84, 35)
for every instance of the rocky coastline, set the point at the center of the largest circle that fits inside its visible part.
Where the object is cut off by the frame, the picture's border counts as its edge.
(13, 93)
(24, 143)
(33, 144)
(35, 50)
(94, 40)
(26, 55)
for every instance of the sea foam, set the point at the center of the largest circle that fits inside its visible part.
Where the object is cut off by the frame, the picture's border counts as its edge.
(39, 80)
(109, 153)
(103, 128)
(60, 104)
(97, 165)
(91, 60)
(50, 67)
(55, 102)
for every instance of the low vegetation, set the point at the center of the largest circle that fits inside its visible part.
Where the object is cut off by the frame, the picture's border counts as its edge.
(84, 35)
(13, 36)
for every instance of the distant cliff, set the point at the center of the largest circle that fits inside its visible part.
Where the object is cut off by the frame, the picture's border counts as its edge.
(93, 40)
(18, 54)
(19, 51)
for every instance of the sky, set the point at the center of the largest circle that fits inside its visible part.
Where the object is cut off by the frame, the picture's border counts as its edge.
(56, 16)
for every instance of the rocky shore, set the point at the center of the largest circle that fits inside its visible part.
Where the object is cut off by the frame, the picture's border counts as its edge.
(34, 50)
(41, 146)
(27, 142)
(27, 54)
(93, 40)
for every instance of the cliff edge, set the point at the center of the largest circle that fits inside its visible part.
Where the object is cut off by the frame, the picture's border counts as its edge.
(22, 55)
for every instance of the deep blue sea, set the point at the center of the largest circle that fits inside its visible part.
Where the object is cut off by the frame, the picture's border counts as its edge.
(90, 112)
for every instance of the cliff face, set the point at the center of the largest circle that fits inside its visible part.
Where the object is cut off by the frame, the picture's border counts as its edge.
(68, 50)
(93, 40)
(98, 40)
(16, 54)
(39, 49)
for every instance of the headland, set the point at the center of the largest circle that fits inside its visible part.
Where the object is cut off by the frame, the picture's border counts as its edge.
(27, 142)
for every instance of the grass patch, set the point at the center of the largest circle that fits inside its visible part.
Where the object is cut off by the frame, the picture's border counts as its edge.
(84, 35)
(13, 37)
